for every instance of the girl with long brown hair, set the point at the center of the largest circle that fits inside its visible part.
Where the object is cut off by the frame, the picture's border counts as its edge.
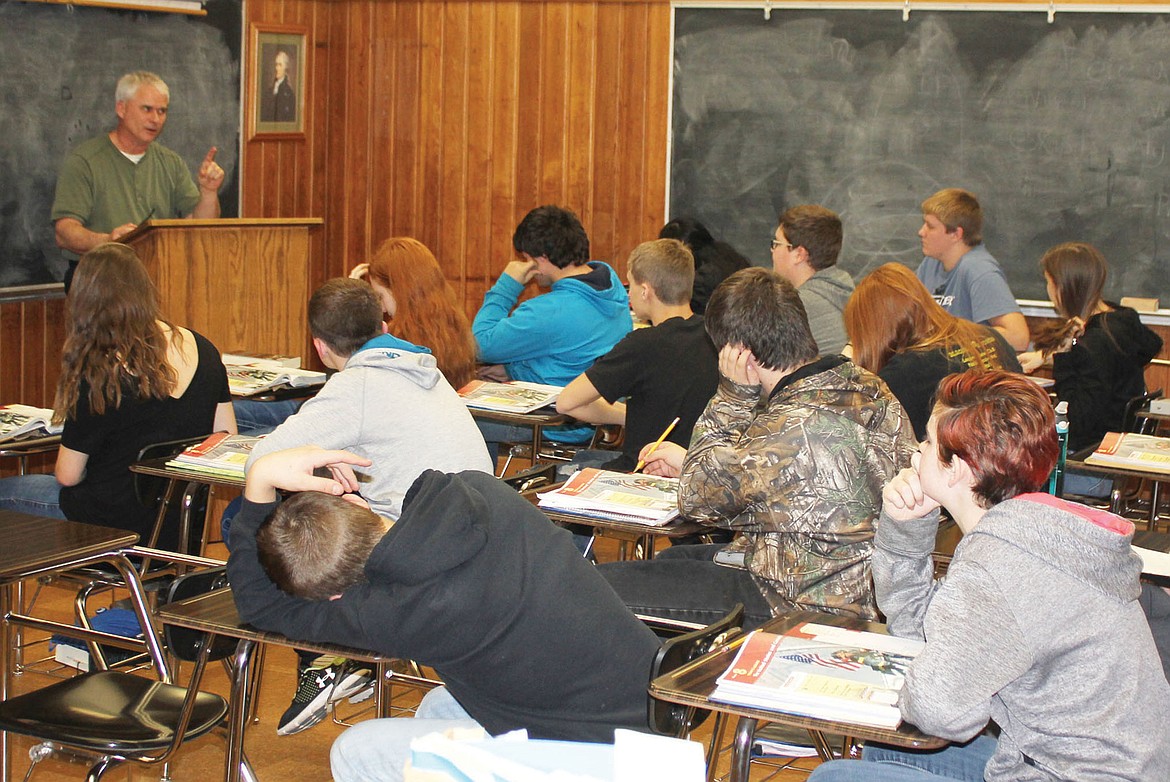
(900, 333)
(129, 378)
(422, 306)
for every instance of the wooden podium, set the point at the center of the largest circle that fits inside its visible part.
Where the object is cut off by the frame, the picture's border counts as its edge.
(243, 284)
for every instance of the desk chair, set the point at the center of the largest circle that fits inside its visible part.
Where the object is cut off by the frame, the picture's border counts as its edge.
(118, 717)
(684, 644)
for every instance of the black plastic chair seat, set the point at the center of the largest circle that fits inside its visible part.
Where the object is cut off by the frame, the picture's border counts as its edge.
(110, 711)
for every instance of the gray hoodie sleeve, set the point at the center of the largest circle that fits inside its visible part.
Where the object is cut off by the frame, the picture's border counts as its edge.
(903, 571)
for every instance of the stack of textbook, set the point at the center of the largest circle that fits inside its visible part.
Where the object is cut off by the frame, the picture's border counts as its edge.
(19, 420)
(820, 671)
(248, 376)
(512, 397)
(222, 455)
(1132, 450)
(633, 497)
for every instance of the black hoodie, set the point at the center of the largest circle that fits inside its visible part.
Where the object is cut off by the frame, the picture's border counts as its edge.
(477, 583)
(1103, 371)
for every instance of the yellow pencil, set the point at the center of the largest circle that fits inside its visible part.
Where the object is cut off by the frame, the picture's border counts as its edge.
(658, 442)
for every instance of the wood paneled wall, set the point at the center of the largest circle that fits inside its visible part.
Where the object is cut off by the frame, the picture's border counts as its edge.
(448, 121)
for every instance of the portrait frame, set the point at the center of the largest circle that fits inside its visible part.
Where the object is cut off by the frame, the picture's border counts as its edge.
(276, 109)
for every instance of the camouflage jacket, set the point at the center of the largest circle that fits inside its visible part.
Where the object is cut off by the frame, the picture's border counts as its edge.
(801, 476)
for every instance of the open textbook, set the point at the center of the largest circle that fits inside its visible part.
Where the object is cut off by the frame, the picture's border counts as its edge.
(220, 454)
(515, 396)
(258, 375)
(1143, 451)
(820, 671)
(643, 499)
(19, 420)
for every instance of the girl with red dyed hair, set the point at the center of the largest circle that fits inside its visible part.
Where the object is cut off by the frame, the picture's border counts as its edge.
(422, 307)
(902, 335)
(1037, 625)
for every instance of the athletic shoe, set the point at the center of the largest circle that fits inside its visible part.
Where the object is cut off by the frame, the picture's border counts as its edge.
(327, 680)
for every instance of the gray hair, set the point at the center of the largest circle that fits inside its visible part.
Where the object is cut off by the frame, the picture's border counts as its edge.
(283, 54)
(128, 85)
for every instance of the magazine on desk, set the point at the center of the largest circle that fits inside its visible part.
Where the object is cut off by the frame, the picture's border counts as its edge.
(20, 420)
(633, 497)
(1132, 450)
(515, 396)
(221, 454)
(821, 671)
(259, 376)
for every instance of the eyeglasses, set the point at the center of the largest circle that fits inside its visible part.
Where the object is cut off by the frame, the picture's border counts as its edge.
(777, 243)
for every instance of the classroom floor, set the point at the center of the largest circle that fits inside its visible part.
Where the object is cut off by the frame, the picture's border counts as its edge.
(304, 756)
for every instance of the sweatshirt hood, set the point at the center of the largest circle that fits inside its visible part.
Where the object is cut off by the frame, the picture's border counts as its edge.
(1090, 545)
(606, 301)
(442, 515)
(409, 360)
(1132, 338)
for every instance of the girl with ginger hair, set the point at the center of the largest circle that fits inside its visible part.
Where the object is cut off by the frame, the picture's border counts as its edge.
(421, 305)
(901, 334)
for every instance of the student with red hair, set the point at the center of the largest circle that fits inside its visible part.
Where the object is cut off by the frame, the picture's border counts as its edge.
(901, 334)
(1037, 625)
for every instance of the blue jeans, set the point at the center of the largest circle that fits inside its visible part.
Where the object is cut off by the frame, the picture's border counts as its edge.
(377, 750)
(683, 583)
(39, 495)
(253, 417)
(880, 763)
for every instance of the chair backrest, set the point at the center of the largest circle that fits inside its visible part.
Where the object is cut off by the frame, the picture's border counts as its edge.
(671, 719)
(1130, 422)
(183, 643)
(152, 492)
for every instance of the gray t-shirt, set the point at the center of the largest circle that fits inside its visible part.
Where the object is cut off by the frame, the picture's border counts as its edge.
(975, 289)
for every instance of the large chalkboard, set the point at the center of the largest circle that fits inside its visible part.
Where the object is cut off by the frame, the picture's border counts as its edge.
(1062, 130)
(58, 69)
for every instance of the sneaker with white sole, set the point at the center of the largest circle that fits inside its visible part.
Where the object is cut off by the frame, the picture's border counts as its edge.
(327, 680)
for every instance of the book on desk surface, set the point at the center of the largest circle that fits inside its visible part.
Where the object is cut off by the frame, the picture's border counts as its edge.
(220, 454)
(258, 376)
(633, 497)
(20, 420)
(244, 357)
(1132, 450)
(515, 396)
(820, 671)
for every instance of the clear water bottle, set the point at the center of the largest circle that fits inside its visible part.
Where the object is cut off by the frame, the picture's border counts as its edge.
(1056, 479)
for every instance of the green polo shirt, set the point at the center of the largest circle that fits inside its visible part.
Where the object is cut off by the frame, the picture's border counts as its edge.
(103, 189)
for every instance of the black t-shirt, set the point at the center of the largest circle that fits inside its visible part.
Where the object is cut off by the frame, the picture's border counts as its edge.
(667, 370)
(113, 439)
(913, 375)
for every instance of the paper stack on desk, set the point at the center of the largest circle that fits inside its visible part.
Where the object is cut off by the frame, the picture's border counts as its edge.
(258, 375)
(220, 454)
(633, 497)
(1143, 451)
(513, 397)
(824, 672)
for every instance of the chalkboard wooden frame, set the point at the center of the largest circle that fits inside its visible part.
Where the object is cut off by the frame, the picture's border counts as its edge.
(773, 125)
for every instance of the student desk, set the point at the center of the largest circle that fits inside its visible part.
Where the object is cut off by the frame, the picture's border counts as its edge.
(25, 447)
(537, 420)
(190, 480)
(643, 535)
(693, 683)
(1077, 462)
(215, 613)
(35, 545)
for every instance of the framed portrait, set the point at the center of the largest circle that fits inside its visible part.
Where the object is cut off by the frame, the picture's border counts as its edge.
(277, 83)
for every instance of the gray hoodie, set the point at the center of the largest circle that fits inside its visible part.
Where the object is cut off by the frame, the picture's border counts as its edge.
(1037, 627)
(394, 407)
(824, 296)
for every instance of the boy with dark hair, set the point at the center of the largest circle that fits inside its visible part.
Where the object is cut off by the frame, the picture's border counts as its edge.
(387, 402)
(551, 338)
(471, 580)
(959, 271)
(804, 252)
(1036, 626)
(793, 451)
(662, 372)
